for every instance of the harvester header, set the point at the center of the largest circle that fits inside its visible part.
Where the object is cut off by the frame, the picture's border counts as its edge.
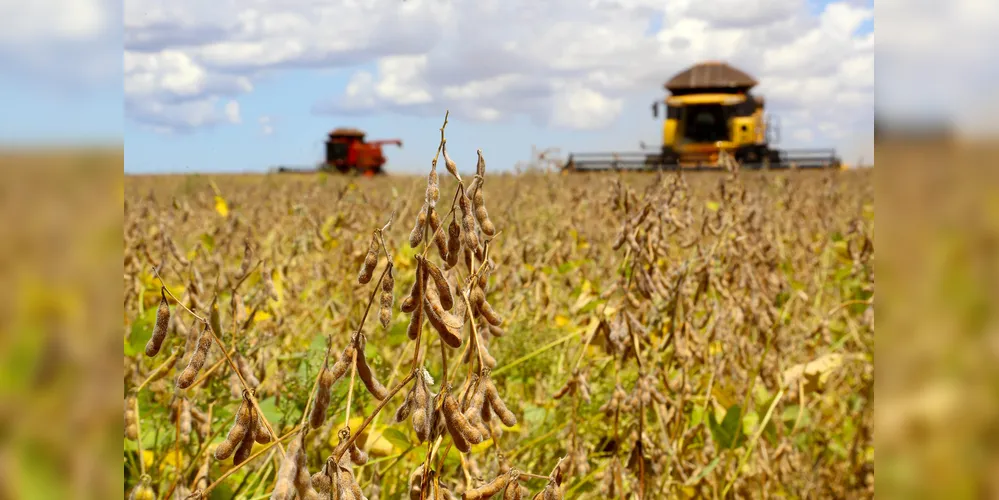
(711, 118)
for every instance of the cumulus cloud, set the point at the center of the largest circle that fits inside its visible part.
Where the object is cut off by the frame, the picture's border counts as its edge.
(560, 63)
(580, 107)
(67, 44)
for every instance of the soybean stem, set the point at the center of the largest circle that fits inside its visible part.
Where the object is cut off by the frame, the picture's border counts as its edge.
(355, 434)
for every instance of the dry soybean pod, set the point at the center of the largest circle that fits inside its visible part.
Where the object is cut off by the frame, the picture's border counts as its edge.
(451, 166)
(456, 421)
(214, 319)
(367, 376)
(184, 420)
(551, 491)
(284, 489)
(440, 238)
(187, 377)
(131, 418)
(261, 435)
(370, 261)
(357, 455)
(321, 481)
(422, 408)
(416, 321)
(480, 165)
(433, 187)
(481, 214)
(246, 371)
(489, 489)
(342, 363)
(443, 287)
(488, 361)
(467, 222)
(246, 444)
(490, 314)
(513, 491)
(416, 292)
(143, 491)
(160, 328)
(405, 408)
(453, 243)
(385, 311)
(244, 417)
(416, 235)
(477, 395)
(435, 312)
(303, 480)
(322, 401)
(504, 413)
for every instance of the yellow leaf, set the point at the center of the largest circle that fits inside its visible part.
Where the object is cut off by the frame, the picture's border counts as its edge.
(712, 206)
(561, 321)
(261, 316)
(481, 447)
(173, 459)
(379, 447)
(221, 207)
(815, 372)
(609, 311)
(326, 227)
(581, 302)
(716, 348)
(278, 281)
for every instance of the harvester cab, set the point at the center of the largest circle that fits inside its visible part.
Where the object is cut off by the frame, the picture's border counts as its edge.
(710, 114)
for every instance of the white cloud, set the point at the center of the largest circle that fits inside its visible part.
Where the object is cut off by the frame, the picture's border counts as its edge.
(266, 125)
(43, 21)
(71, 44)
(232, 112)
(183, 116)
(583, 108)
(937, 60)
(562, 63)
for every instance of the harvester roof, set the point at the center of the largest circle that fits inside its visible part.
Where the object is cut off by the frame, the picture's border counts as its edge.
(710, 75)
(346, 132)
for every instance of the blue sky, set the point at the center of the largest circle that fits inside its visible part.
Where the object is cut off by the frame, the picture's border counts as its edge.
(232, 88)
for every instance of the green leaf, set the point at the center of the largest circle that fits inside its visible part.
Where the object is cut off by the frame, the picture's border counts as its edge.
(142, 330)
(270, 410)
(705, 471)
(791, 414)
(397, 333)
(782, 298)
(696, 415)
(728, 434)
(208, 241)
(397, 438)
(534, 416)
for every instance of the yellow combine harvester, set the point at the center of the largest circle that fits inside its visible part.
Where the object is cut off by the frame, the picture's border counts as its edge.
(712, 118)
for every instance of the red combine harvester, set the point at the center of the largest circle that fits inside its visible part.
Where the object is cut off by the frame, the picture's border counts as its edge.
(347, 152)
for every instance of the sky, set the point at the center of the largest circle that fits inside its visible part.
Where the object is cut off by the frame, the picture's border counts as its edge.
(233, 86)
